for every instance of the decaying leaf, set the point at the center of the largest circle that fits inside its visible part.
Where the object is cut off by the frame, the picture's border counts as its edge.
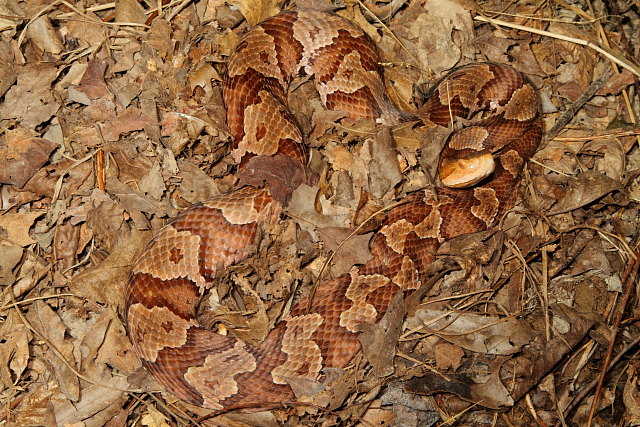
(22, 158)
(584, 189)
(49, 324)
(16, 227)
(44, 35)
(448, 356)
(10, 256)
(257, 11)
(32, 100)
(478, 333)
(350, 250)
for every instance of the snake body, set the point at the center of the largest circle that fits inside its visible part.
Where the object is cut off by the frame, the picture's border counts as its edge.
(189, 253)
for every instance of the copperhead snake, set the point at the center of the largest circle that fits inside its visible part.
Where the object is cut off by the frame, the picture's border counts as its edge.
(185, 257)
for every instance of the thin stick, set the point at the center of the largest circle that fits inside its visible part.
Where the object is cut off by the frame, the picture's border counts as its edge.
(572, 109)
(609, 53)
(58, 353)
(629, 278)
(586, 390)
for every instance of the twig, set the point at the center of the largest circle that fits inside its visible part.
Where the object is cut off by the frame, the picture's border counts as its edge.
(623, 62)
(585, 391)
(629, 277)
(58, 353)
(608, 135)
(388, 30)
(96, 8)
(568, 115)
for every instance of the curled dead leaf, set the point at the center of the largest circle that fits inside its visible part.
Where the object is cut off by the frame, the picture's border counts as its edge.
(584, 189)
(42, 33)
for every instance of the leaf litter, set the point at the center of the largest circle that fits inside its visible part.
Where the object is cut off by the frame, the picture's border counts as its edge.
(112, 122)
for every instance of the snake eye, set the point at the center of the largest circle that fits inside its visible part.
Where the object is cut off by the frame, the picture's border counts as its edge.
(466, 171)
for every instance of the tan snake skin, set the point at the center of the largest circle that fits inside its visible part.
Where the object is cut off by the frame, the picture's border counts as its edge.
(186, 256)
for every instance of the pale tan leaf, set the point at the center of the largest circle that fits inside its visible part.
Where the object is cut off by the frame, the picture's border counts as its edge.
(105, 282)
(153, 418)
(256, 11)
(16, 227)
(49, 324)
(448, 356)
(44, 35)
(584, 189)
(478, 333)
(22, 158)
(10, 255)
(129, 11)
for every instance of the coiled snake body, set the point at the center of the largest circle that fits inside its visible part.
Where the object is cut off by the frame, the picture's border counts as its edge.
(185, 257)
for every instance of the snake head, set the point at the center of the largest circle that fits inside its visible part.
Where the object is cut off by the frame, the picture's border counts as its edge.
(466, 171)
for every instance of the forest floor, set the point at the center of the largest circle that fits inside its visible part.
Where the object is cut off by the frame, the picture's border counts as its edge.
(112, 121)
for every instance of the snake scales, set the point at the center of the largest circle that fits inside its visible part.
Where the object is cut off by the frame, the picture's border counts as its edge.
(186, 256)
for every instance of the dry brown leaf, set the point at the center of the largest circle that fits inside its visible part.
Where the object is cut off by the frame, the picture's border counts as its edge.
(384, 172)
(10, 256)
(129, 11)
(135, 203)
(16, 227)
(92, 82)
(65, 244)
(281, 173)
(631, 397)
(36, 408)
(406, 137)
(478, 333)
(159, 37)
(153, 418)
(22, 158)
(377, 416)
(448, 356)
(351, 251)
(152, 183)
(131, 119)
(30, 271)
(49, 324)
(324, 120)
(98, 401)
(431, 32)
(10, 13)
(379, 340)
(96, 406)
(42, 33)
(14, 350)
(613, 160)
(8, 73)
(46, 179)
(584, 189)
(301, 206)
(90, 34)
(253, 328)
(203, 76)
(104, 283)
(256, 11)
(115, 350)
(617, 83)
(31, 101)
(339, 157)
(482, 385)
(196, 185)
